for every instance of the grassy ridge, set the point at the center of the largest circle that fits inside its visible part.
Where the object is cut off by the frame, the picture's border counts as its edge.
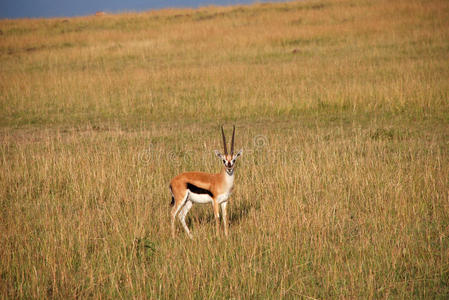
(342, 111)
(235, 63)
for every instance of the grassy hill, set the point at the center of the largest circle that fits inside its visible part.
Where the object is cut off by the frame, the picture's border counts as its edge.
(341, 107)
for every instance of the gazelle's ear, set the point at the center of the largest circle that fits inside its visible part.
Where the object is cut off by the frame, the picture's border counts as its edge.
(217, 153)
(238, 154)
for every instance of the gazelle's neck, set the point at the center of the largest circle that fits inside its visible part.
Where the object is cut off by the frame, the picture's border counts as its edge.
(228, 178)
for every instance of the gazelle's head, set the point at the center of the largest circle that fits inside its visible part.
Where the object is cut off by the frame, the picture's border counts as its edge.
(227, 159)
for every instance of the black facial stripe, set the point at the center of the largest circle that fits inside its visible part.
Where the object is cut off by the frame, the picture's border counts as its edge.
(197, 190)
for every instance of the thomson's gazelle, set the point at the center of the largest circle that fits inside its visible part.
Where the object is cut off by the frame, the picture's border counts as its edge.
(198, 187)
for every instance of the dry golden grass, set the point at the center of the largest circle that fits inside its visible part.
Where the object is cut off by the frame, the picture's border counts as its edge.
(341, 108)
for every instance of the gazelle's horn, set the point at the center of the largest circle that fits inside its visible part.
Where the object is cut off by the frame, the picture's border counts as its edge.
(232, 141)
(224, 141)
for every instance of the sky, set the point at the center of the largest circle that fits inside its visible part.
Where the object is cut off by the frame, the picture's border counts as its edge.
(13, 9)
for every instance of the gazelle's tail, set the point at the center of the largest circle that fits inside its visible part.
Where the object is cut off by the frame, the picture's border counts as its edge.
(172, 197)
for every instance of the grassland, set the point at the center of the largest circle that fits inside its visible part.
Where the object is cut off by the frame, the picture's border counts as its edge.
(342, 110)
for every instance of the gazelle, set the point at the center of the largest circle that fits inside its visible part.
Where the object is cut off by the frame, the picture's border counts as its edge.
(199, 187)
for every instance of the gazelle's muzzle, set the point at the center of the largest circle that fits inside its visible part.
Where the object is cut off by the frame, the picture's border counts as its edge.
(230, 171)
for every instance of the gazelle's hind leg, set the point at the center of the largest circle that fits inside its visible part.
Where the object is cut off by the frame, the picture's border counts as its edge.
(176, 208)
(182, 216)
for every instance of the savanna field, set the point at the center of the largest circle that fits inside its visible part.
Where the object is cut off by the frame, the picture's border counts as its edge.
(341, 108)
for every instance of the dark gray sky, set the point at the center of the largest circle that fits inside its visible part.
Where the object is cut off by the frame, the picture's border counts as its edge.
(68, 8)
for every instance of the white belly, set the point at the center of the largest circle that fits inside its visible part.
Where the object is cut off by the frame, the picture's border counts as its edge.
(199, 198)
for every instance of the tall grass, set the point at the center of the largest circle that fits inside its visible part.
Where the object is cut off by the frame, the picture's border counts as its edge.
(342, 111)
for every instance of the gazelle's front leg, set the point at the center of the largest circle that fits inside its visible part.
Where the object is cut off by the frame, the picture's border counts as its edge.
(225, 216)
(217, 216)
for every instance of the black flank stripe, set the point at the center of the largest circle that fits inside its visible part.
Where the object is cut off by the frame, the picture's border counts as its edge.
(197, 190)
